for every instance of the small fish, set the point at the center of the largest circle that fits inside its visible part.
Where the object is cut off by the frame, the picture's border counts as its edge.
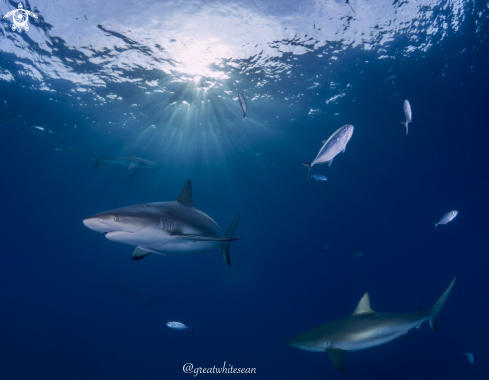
(242, 101)
(408, 113)
(448, 217)
(314, 86)
(391, 77)
(319, 177)
(348, 2)
(178, 326)
(390, 70)
(469, 356)
(310, 79)
(358, 254)
(331, 147)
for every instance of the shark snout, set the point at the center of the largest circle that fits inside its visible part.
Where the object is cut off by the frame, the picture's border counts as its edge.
(96, 224)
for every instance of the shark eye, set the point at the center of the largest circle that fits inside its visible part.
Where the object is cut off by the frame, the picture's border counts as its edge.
(116, 218)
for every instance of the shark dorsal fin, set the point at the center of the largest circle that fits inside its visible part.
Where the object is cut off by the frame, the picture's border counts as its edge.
(185, 197)
(131, 153)
(363, 306)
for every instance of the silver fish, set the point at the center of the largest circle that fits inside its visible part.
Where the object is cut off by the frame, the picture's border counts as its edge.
(364, 329)
(319, 177)
(408, 113)
(448, 217)
(178, 326)
(331, 147)
(242, 101)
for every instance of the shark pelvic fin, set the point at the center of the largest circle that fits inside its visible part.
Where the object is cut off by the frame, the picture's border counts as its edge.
(439, 304)
(336, 355)
(185, 197)
(363, 306)
(139, 254)
(228, 234)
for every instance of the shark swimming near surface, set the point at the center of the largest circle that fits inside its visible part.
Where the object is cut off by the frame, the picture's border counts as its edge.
(164, 227)
(132, 162)
(363, 329)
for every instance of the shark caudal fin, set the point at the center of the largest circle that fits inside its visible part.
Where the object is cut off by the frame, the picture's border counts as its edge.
(436, 225)
(97, 157)
(228, 234)
(307, 165)
(439, 304)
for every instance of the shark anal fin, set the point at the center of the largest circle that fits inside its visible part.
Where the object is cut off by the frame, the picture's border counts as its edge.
(139, 254)
(202, 238)
(330, 162)
(185, 197)
(403, 336)
(336, 355)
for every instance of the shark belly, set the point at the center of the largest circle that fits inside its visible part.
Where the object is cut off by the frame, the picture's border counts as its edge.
(182, 245)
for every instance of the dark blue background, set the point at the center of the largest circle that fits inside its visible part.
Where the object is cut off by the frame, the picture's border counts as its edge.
(60, 320)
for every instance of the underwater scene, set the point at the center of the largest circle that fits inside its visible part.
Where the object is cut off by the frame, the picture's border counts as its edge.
(253, 189)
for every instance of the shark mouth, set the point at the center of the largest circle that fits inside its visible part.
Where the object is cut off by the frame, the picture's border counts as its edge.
(110, 234)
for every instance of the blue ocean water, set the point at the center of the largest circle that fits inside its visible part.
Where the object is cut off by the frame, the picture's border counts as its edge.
(161, 79)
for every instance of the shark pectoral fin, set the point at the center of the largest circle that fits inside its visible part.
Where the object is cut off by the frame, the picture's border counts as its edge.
(336, 355)
(403, 336)
(330, 162)
(435, 309)
(139, 254)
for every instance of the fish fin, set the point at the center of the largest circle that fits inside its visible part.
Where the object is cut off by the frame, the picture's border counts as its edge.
(307, 165)
(403, 336)
(330, 162)
(344, 149)
(201, 238)
(324, 141)
(139, 254)
(131, 153)
(224, 247)
(185, 197)
(97, 157)
(419, 326)
(363, 306)
(436, 225)
(435, 309)
(337, 358)
(405, 123)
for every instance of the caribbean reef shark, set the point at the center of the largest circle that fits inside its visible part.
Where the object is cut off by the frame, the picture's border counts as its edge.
(164, 227)
(132, 162)
(364, 329)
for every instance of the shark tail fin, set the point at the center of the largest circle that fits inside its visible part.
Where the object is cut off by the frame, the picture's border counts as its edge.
(436, 225)
(97, 157)
(307, 165)
(224, 247)
(439, 304)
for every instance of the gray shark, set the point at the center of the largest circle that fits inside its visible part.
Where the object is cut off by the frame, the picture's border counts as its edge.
(364, 329)
(164, 227)
(132, 162)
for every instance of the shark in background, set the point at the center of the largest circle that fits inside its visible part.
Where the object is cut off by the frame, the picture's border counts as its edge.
(132, 162)
(164, 227)
(363, 329)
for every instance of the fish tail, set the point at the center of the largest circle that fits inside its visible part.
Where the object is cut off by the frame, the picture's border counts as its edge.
(243, 124)
(436, 225)
(97, 157)
(435, 309)
(405, 123)
(228, 234)
(307, 165)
